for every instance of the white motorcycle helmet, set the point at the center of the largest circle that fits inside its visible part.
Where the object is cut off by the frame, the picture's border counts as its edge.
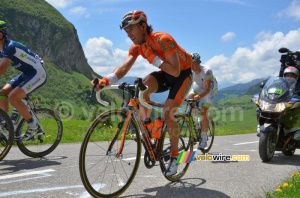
(291, 70)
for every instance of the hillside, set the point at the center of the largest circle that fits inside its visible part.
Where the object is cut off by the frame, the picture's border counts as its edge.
(238, 90)
(46, 32)
(40, 27)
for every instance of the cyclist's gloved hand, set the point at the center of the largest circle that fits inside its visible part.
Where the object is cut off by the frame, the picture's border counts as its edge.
(100, 83)
(197, 98)
(109, 80)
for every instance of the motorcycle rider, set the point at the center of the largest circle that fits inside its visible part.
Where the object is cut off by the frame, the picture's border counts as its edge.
(291, 75)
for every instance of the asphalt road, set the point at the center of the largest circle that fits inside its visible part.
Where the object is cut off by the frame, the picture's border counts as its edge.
(57, 174)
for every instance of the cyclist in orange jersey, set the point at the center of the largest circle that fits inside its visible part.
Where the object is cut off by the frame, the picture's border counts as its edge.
(162, 51)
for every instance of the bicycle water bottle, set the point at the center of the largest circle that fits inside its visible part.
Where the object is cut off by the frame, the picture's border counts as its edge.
(14, 116)
(148, 123)
(156, 132)
(198, 124)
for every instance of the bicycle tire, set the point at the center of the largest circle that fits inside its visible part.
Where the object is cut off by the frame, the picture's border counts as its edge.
(210, 136)
(186, 143)
(6, 134)
(45, 142)
(103, 174)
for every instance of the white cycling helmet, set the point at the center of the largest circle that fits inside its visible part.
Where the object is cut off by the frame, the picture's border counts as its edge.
(291, 70)
(195, 57)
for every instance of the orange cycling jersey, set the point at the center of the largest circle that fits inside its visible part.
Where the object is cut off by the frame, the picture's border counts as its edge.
(161, 44)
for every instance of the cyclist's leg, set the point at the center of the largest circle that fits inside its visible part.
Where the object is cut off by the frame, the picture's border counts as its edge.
(152, 84)
(4, 97)
(169, 111)
(180, 87)
(156, 83)
(191, 96)
(206, 104)
(30, 82)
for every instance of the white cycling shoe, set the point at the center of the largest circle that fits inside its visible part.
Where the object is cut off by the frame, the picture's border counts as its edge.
(172, 167)
(31, 131)
(202, 144)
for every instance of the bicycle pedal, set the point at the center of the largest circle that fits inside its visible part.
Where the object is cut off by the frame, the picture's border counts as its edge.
(16, 138)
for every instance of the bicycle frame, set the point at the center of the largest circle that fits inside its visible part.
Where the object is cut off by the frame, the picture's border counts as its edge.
(136, 99)
(31, 106)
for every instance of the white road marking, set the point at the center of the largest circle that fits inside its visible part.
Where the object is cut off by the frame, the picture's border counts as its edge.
(95, 186)
(20, 192)
(22, 180)
(26, 174)
(246, 143)
(252, 150)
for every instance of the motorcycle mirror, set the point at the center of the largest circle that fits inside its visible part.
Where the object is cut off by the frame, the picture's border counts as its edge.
(283, 50)
(262, 84)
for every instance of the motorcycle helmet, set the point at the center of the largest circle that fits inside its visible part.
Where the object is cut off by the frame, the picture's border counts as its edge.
(291, 70)
(133, 17)
(195, 57)
(3, 28)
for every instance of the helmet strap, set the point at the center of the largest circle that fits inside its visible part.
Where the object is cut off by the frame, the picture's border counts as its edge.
(144, 32)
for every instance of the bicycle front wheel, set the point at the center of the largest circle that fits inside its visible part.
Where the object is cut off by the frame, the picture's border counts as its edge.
(110, 154)
(46, 139)
(6, 134)
(186, 143)
(210, 136)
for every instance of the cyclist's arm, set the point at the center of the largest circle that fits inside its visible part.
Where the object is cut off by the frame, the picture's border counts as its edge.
(117, 74)
(205, 92)
(123, 69)
(206, 89)
(171, 65)
(4, 64)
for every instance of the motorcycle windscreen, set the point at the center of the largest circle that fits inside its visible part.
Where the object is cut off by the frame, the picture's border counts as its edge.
(278, 89)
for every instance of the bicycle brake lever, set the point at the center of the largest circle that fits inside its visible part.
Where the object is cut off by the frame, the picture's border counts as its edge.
(96, 82)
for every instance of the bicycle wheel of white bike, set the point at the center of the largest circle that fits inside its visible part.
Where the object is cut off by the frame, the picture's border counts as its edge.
(46, 139)
(6, 134)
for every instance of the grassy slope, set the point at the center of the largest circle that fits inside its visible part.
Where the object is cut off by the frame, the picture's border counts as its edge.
(234, 116)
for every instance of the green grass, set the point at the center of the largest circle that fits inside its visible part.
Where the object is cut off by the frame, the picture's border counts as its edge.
(289, 188)
(74, 130)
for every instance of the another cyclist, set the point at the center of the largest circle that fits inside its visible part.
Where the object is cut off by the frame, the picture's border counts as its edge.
(204, 88)
(162, 51)
(32, 77)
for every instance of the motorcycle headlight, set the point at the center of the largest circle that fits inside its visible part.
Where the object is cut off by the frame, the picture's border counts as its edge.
(266, 106)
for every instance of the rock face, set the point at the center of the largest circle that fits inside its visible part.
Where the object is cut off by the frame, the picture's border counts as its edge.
(46, 32)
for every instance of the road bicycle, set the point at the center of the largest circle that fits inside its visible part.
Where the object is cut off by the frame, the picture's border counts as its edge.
(110, 154)
(6, 134)
(44, 140)
(197, 126)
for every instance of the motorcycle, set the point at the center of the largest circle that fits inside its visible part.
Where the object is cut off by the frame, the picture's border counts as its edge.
(278, 116)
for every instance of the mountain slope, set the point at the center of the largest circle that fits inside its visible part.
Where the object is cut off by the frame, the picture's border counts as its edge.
(238, 90)
(46, 32)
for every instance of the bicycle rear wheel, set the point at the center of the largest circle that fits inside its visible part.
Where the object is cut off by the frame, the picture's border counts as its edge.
(109, 154)
(6, 134)
(186, 143)
(210, 136)
(47, 139)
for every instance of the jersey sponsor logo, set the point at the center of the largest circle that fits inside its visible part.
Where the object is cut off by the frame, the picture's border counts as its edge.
(187, 88)
(23, 55)
(171, 45)
(16, 66)
(163, 45)
(36, 81)
(31, 59)
(29, 87)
